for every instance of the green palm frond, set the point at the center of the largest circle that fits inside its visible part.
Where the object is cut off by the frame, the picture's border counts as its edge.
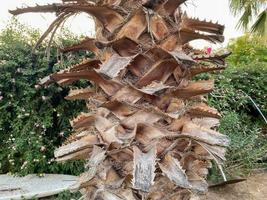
(248, 9)
(260, 26)
(245, 19)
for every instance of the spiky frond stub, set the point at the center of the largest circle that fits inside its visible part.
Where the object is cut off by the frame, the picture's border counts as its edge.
(148, 133)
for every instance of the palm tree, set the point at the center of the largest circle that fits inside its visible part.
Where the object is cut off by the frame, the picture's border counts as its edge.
(249, 9)
(148, 132)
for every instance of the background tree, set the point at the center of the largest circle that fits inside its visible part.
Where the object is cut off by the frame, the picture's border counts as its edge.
(249, 9)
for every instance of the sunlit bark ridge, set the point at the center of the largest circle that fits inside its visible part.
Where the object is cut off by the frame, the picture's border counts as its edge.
(148, 133)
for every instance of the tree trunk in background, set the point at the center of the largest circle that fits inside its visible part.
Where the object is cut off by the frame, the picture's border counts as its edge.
(148, 132)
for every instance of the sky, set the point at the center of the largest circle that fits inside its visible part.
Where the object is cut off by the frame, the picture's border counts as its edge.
(215, 10)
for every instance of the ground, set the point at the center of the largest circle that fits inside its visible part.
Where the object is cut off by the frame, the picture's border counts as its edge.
(255, 188)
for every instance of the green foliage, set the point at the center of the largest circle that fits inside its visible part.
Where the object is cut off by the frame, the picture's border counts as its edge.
(233, 86)
(248, 146)
(67, 196)
(34, 120)
(247, 50)
(248, 143)
(245, 76)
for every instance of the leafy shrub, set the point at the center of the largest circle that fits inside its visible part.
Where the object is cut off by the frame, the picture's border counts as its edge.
(247, 50)
(248, 146)
(34, 120)
(241, 120)
(245, 77)
(67, 195)
(234, 85)
(248, 143)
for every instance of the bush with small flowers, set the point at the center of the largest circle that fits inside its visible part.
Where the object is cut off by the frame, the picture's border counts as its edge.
(34, 119)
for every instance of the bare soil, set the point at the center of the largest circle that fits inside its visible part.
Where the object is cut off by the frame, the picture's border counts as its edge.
(255, 188)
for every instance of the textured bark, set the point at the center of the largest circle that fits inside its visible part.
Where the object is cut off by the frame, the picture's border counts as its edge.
(149, 133)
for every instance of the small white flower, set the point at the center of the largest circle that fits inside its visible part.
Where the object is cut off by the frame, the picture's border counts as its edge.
(24, 164)
(43, 148)
(61, 134)
(44, 98)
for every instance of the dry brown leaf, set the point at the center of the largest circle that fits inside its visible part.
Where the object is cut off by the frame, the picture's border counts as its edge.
(194, 89)
(140, 117)
(205, 135)
(161, 71)
(79, 145)
(158, 27)
(173, 170)
(80, 94)
(203, 110)
(144, 169)
(113, 66)
(135, 26)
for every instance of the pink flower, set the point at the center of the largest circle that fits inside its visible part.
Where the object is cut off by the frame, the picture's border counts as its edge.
(209, 50)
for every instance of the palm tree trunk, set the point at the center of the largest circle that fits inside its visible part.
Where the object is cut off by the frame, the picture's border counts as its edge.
(148, 132)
